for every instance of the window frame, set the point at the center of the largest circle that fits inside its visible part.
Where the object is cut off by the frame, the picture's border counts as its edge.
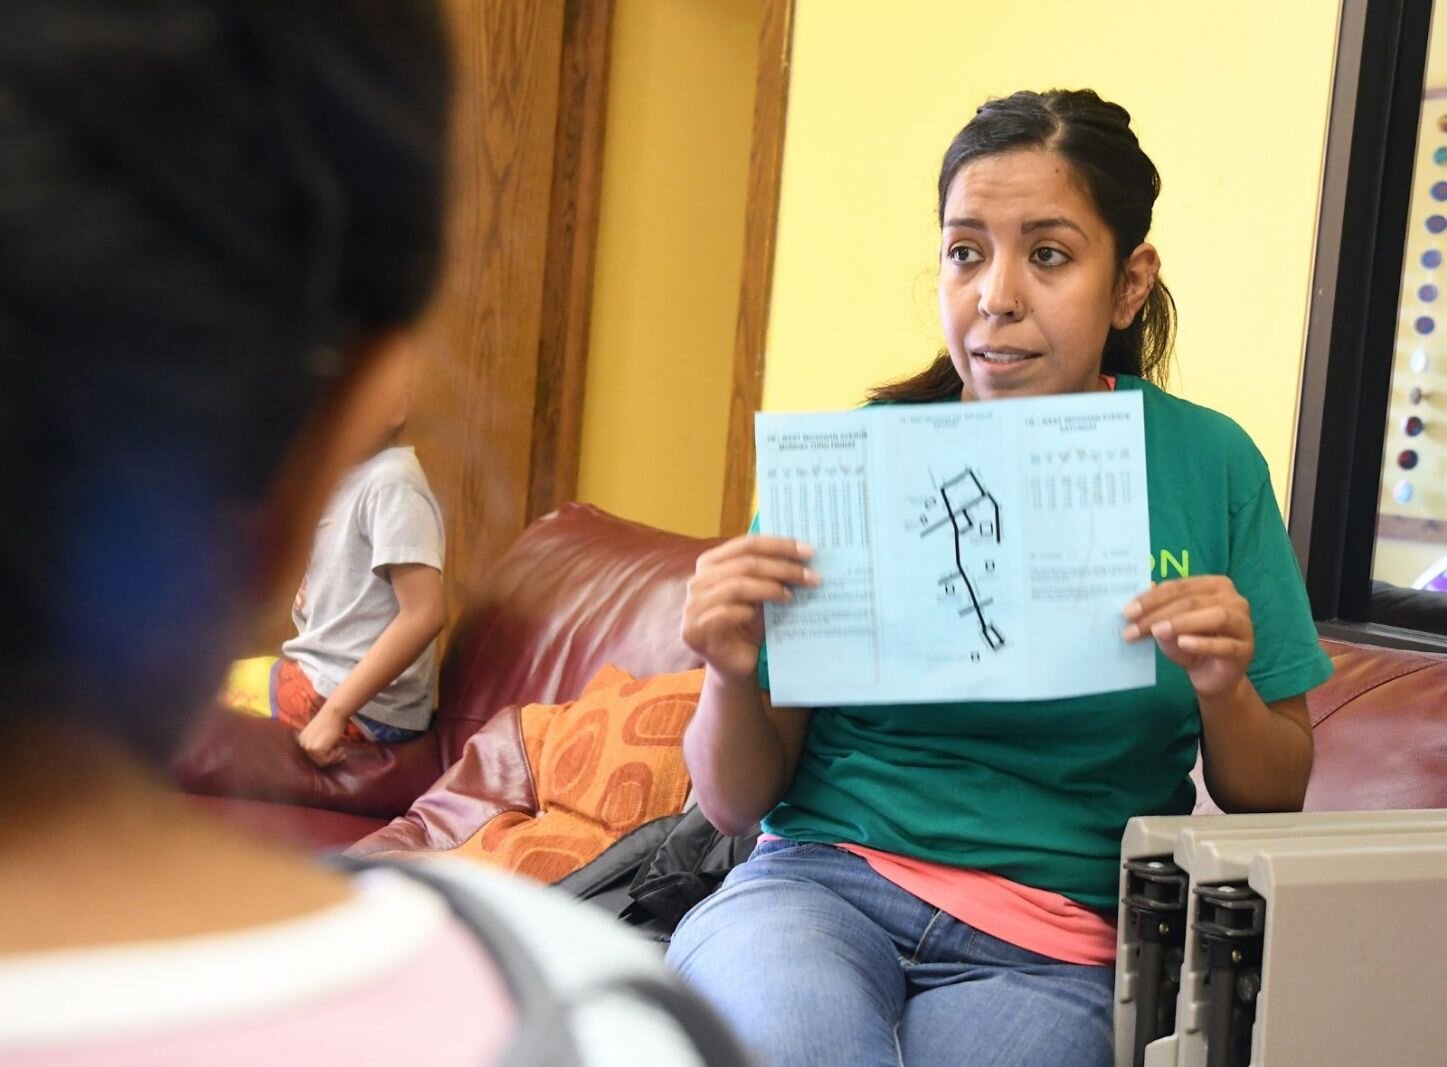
(1376, 105)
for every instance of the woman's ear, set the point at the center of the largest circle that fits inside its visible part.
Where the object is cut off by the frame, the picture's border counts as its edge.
(347, 426)
(1137, 278)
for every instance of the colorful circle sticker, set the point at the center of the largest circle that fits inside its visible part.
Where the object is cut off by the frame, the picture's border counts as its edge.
(1439, 190)
(1427, 294)
(1436, 223)
(1407, 458)
(1424, 324)
(1412, 425)
(1440, 156)
(1419, 361)
(1431, 259)
(1402, 492)
(1414, 395)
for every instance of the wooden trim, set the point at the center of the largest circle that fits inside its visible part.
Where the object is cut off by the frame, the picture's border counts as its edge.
(576, 196)
(766, 159)
(472, 418)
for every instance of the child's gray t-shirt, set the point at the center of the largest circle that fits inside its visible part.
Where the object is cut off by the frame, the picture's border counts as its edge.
(382, 514)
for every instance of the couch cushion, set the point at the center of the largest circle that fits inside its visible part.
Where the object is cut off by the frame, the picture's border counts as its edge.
(491, 777)
(1379, 725)
(578, 590)
(231, 754)
(1381, 731)
(545, 789)
(325, 831)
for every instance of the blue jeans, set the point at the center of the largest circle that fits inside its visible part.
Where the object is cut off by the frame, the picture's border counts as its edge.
(385, 733)
(816, 959)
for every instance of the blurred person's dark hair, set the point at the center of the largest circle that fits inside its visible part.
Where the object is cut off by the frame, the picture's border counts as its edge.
(204, 207)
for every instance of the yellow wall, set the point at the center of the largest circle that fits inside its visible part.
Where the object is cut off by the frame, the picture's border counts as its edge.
(670, 252)
(1229, 99)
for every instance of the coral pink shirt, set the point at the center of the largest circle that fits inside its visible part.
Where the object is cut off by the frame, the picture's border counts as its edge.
(1029, 918)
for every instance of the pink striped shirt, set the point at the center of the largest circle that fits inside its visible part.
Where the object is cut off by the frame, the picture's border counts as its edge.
(386, 977)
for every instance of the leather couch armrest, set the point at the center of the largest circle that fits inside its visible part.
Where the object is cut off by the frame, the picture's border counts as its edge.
(234, 755)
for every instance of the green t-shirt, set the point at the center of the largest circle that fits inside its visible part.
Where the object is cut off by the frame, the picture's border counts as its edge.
(1039, 791)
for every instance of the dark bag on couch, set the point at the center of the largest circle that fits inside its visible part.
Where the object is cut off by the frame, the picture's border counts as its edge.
(651, 877)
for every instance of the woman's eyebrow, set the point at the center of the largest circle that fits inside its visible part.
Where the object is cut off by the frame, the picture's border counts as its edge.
(1054, 222)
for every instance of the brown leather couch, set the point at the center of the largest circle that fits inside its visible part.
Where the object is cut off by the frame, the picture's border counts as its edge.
(581, 589)
(578, 590)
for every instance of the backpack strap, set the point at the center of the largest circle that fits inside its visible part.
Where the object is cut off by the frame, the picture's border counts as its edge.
(544, 1036)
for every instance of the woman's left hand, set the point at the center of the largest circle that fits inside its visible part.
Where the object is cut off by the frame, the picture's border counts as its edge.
(1201, 624)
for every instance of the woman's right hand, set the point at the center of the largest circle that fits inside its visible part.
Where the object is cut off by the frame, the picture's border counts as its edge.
(723, 615)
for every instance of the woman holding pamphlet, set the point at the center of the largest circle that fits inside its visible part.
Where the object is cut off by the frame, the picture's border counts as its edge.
(936, 882)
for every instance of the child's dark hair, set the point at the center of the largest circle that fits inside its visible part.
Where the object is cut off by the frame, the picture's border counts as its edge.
(203, 203)
(1094, 135)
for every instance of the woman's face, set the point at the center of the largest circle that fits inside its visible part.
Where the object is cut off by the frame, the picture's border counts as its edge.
(1030, 283)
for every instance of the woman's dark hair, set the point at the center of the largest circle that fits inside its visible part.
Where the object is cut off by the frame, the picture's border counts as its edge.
(1094, 135)
(203, 205)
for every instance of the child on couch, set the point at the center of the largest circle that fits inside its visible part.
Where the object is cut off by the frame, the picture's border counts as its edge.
(370, 606)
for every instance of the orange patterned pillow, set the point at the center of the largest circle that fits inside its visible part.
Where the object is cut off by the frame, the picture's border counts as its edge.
(602, 765)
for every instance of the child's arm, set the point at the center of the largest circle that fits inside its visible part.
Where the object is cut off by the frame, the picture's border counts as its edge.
(420, 616)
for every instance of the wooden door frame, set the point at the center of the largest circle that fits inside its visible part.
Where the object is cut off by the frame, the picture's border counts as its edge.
(576, 197)
(499, 420)
(766, 160)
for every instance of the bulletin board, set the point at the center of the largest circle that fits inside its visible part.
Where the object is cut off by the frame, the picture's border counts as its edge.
(1413, 504)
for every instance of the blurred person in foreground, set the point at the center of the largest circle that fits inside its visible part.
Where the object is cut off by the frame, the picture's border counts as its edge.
(217, 220)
